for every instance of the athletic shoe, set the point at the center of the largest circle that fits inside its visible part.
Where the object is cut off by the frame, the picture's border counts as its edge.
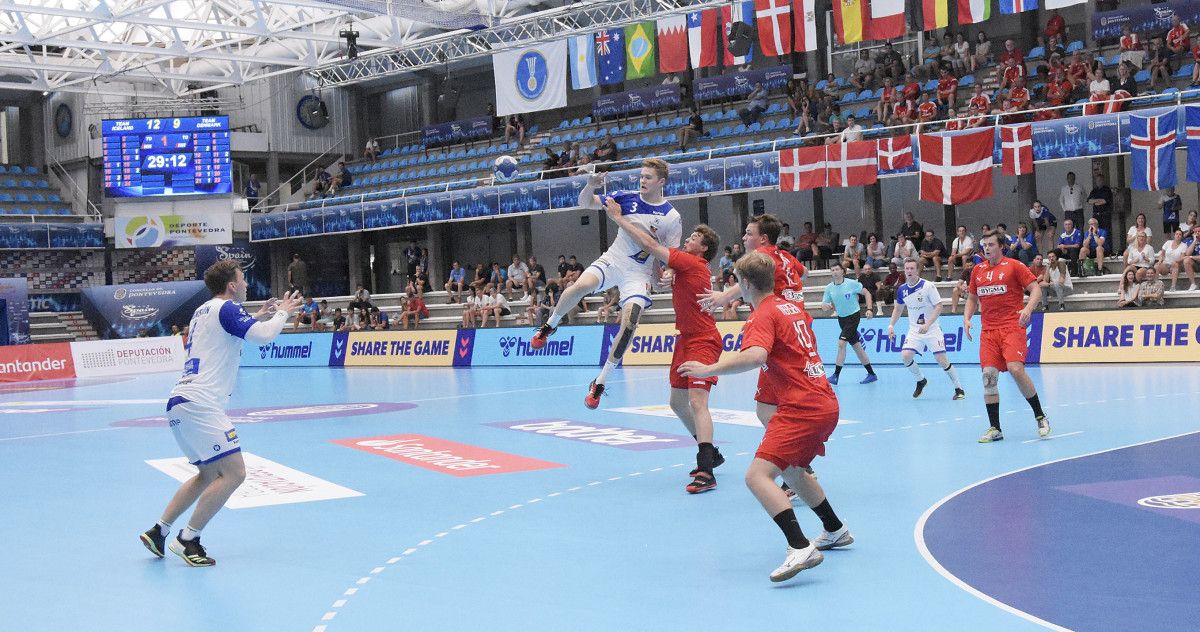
(593, 397)
(833, 379)
(154, 540)
(920, 387)
(543, 333)
(191, 551)
(702, 482)
(959, 394)
(835, 540)
(796, 561)
(718, 461)
(871, 377)
(992, 434)
(1043, 426)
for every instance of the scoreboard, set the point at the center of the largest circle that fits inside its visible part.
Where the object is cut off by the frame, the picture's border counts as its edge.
(167, 156)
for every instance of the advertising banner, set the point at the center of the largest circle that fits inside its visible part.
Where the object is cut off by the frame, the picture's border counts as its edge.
(526, 197)
(695, 178)
(15, 293)
(255, 260)
(76, 235)
(66, 302)
(754, 171)
(444, 456)
(290, 350)
(342, 219)
(564, 192)
(168, 230)
(264, 227)
(1073, 137)
(1156, 335)
(429, 208)
(385, 214)
(23, 363)
(474, 203)
(571, 346)
(1144, 18)
(303, 223)
(24, 236)
(124, 311)
(741, 83)
(401, 348)
(456, 132)
(652, 99)
(106, 358)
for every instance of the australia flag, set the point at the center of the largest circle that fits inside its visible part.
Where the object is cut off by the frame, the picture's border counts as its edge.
(610, 56)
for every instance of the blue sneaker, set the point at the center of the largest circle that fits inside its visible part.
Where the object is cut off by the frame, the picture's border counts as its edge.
(871, 377)
(833, 379)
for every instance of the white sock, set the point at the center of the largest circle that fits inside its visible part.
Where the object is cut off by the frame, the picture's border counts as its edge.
(953, 373)
(163, 528)
(554, 319)
(608, 366)
(916, 370)
(189, 534)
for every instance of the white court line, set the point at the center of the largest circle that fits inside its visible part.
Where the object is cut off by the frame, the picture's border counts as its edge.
(86, 402)
(919, 534)
(523, 390)
(1053, 437)
(63, 434)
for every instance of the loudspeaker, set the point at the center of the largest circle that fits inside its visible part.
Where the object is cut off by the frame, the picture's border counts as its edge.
(741, 38)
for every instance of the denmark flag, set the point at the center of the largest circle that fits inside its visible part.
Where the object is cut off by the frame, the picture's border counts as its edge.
(702, 38)
(802, 168)
(956, 169)
(672, 44)
(774, 18)
(804, 14)
(852, 164)
(1016, 149)
(895, 152)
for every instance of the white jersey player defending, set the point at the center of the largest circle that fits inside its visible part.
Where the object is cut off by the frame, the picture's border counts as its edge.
(924, 306)
(196, 409)
(625, 265)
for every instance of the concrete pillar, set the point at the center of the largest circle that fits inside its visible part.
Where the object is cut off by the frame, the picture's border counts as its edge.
(741, 208)
(1118, 181)
(355, 258)
(818, 201)
(950, 219)
(272, 176)
(873, 209)
(33, 147)
(437, 243)
(703, 207)
(524, 237)
(1026, 194)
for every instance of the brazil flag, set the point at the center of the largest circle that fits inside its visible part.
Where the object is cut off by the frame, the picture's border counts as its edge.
(640, 60)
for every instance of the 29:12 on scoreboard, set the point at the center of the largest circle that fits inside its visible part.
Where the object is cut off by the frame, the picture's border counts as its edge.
(167, 156)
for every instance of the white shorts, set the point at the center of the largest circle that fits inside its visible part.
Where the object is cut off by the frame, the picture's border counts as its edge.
(203, 434)
(632, 280)
(933, 340)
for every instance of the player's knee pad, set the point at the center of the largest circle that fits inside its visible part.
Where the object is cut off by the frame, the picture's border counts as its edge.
(991, 381)
(629, 321)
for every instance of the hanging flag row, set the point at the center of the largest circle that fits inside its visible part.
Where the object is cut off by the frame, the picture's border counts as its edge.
(860, 20)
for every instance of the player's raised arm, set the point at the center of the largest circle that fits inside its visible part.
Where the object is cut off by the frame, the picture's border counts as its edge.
(643, 238)
(587, 197)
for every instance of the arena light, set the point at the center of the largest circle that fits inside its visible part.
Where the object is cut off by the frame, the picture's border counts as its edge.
(351, 37)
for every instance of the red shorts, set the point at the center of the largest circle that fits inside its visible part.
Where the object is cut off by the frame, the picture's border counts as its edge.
(701, 348)
(998, 347)
(795, 440)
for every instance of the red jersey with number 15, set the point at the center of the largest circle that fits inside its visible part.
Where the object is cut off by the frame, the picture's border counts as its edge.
(692, 277)
(793, 376)
(788, 273)
(1001, 291)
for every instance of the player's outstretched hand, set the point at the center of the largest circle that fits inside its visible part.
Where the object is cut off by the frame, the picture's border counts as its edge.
(596, 180)
(667, 278)
(267, 308)
(613, 208)
(691, 368)
(708, 301)
(289, 302)
(967, 329)
(869, 313)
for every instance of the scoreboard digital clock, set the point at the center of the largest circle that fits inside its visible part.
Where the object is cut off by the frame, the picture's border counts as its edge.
(167, 156)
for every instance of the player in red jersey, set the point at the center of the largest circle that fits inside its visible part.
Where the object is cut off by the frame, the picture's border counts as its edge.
(698, 339)
(795, 403)
(761, 234)
(998, 287)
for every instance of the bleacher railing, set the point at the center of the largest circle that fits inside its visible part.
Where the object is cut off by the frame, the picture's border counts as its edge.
(263, 202)
(79, 196)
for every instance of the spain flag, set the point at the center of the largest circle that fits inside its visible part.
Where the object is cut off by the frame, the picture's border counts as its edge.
(849, 18)
(937, 14)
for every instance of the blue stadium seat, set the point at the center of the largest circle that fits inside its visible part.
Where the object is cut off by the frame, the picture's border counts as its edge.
(1037, 52)
(966, 82)
(21, 197)
(866, 95)
(1142, 76)
(863, 113)
(821, 84)
(930, 85)
(849, 97)
(10, 183)
(63, 211)
(839, 82)
(32, 170)
(42, 184)
(1184, 71)
(37, 197)
(769, 125)
(1077, 45)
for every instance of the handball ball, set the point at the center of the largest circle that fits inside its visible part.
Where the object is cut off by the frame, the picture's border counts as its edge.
(505, 168)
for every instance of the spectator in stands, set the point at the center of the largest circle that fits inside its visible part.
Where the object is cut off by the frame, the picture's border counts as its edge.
(962, 249)
(887, 99)
(1152, 291)
(983, 49)
(341, 178)
(1191, 259)
(694, 128)
(550, 165)
(361, 299)
(911, 89)
(540, 307)
(863, 76)
(321, 182)
(1022, 246)
(903, 113)
(1160, 64)
(518, 276)
(1126, 86)
(786, 241)
(905, 249)
(854, 254)
(1129, 289)
(1101, 199)
(424, 259)
(911, 229)
(1170, 258)
(981, 100)
(253, 187)
(889, 63)
(876, 252)
(1132, 51)
(1140, 226)
(927, 111)
(1171, 205)
(853, 131)
(412, 257)
(1098, 90)
(339, 320)
(1056, 278)
(584, 165)
(1077, 71)
(931, 58)
(1010, 72)
(1195, 61)
(932, 250)
(830, 91)
(1177, 38)
(794, 94)
(418, 283)
(537, 276)
(380, 317)
(457, 280)
(1069, 242)
(805, 119)
(726, 261)
(574, 270)
(415, 309)
(611, 305)
(1191, 222)
(1091, 251)
(804, 243)
(308, 315)
(298, 275)
(824, 243)
(960, 286)
(975, 118)
(514, 125)
(498, 307)
(730, 311)
(947, 91)
(498, 276)
(1019, 94)
(835, 134)
(479, 277)
(355, 322)
(962, 61)
(470, 307)
(1140, 256)
(325, 316)
(1071, 200)
(756, 104)
(885, 293)
(371, 150)
(606, 151)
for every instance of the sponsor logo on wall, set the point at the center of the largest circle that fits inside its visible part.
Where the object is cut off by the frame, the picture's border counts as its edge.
(1161, 335)
(403, 348)
(22, 363)
(267, 483)
(504, 347)
(611, 436)
(446, 457)
(101, 358)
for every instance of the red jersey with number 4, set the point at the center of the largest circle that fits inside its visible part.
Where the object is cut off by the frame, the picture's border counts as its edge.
(1001, 291)
(788, 273)
(793, 376)
(692, 278)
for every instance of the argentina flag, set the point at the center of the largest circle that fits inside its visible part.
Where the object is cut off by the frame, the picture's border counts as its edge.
(583, 62)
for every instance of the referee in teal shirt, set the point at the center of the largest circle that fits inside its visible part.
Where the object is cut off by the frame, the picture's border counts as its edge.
(841, 297)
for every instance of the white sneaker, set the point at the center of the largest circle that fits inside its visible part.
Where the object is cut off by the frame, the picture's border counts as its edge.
(1192, 287)
(1043, 426)
(992, 435)
(797, 560)
(835, 540)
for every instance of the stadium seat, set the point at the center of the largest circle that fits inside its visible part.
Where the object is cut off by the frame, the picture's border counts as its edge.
(1184, 72)
(866, 95)
(863, 113)
(1142, 76)
(930, 85)
(849, 97)
(1037, 52)
(21, 197)
(37, 197)
(63, 211)
(821, 84)
(966, 82)
(42, 184)
(10, 183)
(1077, 45)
